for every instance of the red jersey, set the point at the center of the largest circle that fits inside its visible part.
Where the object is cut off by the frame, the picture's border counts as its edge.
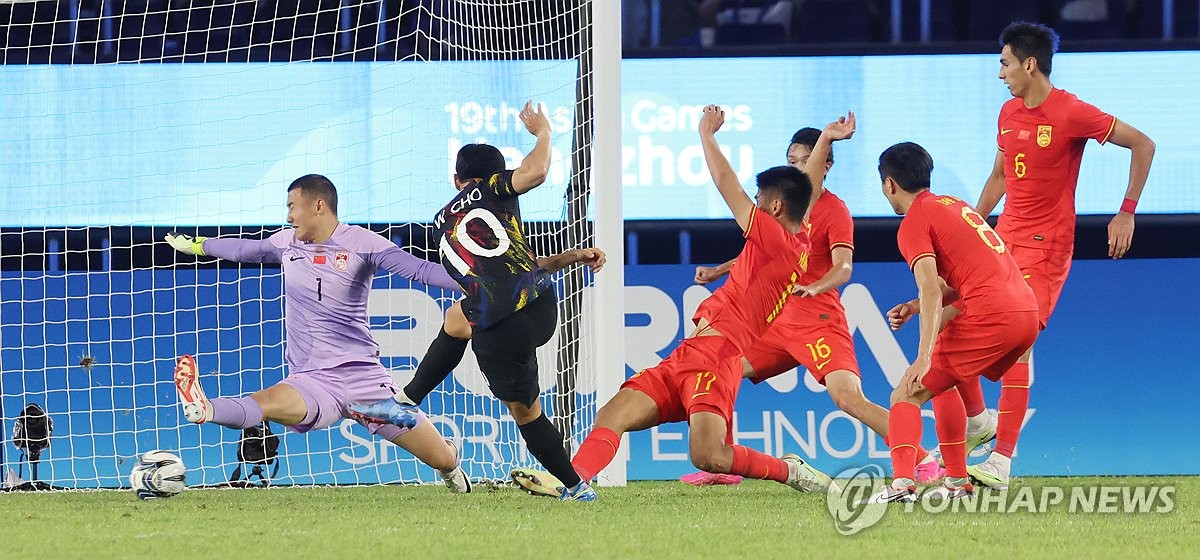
(1043, 147)
(970, 257)
(830, 226)
(761, 280)
(710, 305)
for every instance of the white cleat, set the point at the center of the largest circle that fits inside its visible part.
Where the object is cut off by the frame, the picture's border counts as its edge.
(456, 479)
(902, 490)
(196, 408)
(983, 440)
(805, 478)
(951, 489)
(993, 473)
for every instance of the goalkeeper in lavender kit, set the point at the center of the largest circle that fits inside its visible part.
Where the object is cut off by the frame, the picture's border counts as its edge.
(332, 359)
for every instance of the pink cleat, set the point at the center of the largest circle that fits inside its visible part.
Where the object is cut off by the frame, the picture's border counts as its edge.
(930, 472)
(703, 478)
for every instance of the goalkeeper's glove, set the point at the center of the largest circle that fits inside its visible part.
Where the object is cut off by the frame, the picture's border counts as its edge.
(186, 244)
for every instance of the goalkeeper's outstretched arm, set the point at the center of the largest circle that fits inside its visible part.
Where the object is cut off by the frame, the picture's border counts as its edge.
(402, 263)
(231, 248)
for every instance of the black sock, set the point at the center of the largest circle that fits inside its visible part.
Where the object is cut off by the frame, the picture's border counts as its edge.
(545, 443)
(444, 354)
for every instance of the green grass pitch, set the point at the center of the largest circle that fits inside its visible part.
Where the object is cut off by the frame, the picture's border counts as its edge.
(657, 520)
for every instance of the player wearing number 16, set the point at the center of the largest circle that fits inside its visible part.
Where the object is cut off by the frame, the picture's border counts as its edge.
(956, 258)
(510, 301)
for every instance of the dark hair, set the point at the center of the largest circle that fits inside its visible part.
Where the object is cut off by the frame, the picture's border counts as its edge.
(908, 164)
(791, 186)
(317, 186)
(478, 161)
(808, 136)
(1031, 40)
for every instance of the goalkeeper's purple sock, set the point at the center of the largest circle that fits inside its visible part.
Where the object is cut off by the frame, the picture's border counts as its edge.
(239, 413)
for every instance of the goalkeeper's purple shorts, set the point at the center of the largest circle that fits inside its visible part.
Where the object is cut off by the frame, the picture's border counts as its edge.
(329, 393)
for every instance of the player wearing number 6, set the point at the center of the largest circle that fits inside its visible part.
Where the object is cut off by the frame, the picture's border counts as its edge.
(956, 258)
(510, 301)
(1041, 135)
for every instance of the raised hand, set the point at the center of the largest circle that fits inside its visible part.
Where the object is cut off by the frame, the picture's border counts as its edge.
(535, 120)
(711, 120)
(842, 128)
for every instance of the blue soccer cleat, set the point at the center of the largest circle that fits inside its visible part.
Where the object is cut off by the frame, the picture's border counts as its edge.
(582, 492)
(387, 411)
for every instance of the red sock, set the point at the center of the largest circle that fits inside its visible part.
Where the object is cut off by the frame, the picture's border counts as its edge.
(904, 432)
(753, 464)
(596, 452)
(950, 420)
(1014, 401)
(972, 397)
(922, 453)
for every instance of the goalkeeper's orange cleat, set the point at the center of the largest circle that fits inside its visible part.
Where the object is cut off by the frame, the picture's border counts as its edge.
(196, 408)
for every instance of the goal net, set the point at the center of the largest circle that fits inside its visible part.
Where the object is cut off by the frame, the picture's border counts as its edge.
(122, 121)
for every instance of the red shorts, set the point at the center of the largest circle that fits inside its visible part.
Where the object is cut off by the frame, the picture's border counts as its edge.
(699, 376)
(1045, 271)
(821, 343)
(980, 345)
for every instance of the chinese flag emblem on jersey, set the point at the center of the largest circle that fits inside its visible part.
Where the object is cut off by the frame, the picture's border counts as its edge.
(1043, 137)
(319, 259)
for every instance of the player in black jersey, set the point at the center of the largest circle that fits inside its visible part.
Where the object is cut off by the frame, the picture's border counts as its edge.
(510, 302)
(447, 349)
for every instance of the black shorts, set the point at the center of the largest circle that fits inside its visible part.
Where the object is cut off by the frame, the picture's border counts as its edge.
(507, 349)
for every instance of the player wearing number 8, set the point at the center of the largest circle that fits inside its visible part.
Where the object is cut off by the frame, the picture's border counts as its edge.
(957, 259)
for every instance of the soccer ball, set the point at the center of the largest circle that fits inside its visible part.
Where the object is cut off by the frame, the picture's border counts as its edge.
(158, 474)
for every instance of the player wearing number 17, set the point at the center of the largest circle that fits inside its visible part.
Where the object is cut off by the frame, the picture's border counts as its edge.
(698, 382)
(1041, 135)
(956, 257)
